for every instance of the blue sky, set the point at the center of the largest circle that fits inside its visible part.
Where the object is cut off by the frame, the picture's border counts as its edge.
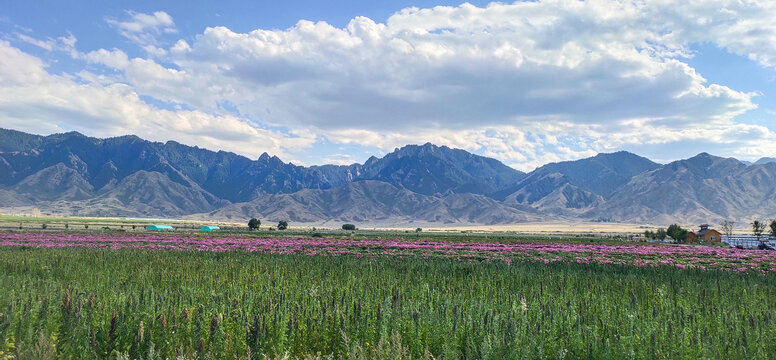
(335, 82)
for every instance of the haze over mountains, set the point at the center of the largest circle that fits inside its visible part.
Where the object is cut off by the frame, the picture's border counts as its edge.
(71, 174)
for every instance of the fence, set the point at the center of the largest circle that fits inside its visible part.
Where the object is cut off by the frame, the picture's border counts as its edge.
(747, 241)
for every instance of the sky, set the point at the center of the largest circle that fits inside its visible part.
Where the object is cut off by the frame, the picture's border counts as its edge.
(319, 82)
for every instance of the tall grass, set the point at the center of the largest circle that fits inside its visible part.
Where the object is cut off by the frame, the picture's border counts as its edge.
(87, 303)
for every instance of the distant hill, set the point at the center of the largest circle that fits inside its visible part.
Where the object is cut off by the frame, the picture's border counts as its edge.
(429, 169)
(373, 201)
(72, 174)
(765, 160)
(704, 188)
(572, 186)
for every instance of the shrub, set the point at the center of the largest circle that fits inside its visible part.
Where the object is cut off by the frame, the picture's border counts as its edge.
(677, 233)
(282, 225)
(254, 224)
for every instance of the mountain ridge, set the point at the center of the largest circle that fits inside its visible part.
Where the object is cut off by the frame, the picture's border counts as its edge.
(73, 174)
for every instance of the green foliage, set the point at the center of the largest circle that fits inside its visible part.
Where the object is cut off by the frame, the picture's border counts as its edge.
(348, 227)
(254, 224)
(758, 228)
(418, 230)
(135, 304)
(727, 227)
(677, 233)
(773, 228)
(282, 225)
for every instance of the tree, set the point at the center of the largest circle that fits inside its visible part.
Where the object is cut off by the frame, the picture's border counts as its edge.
(677, 233)
(661, 234)
(773, 228)
(348, 227)
(758, 228)
(727, 228)
(418, 230)
(254, 224)
(282, 225)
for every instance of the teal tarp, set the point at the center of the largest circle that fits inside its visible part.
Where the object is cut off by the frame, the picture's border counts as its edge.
(209, 228)
(158, 227)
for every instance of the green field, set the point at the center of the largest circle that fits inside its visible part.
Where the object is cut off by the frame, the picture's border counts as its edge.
(91, 225)
(86, 303)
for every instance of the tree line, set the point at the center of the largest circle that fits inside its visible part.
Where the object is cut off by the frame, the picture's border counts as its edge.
(255, 224)
(679, 234)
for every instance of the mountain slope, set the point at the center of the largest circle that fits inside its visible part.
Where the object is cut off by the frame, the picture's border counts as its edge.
(429, 169)
(57, 182)
(146, 194)
(570, 188)
(72, 174)
(108, 161)
(375, 202)
(704, 188)
(765, 160)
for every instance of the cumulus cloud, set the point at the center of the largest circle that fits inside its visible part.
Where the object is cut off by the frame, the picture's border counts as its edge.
(528, 83)
(115, 59)
(31, 99)
(452, 66)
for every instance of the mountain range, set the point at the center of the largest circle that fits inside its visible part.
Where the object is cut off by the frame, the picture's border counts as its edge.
(72, 174)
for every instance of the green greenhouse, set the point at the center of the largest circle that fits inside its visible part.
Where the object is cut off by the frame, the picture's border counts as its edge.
(158, 227)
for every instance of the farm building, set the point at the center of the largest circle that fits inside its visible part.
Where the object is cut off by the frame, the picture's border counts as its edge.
(209, 228)
(158, 227)
(704, 235)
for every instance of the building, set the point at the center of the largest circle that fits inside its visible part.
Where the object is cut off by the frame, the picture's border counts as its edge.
(638, 238)
(748, 241)
(704, 235)
(209, 228)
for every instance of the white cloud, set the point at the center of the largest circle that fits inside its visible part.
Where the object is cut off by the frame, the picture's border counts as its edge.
(31, 99)
(527, 83)
(339, 159)
(142, 29)
(43, 44)
(447, 67)
(64, 43)
(115, 59)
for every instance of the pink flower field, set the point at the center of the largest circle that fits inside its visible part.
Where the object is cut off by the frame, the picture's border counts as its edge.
(682, 257)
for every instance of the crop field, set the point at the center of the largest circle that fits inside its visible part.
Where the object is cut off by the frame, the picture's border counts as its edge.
(119, 295)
